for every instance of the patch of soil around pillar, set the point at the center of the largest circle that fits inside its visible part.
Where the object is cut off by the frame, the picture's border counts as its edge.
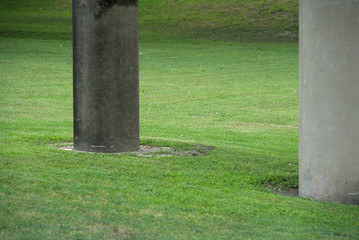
(150, 151)
(286, 191)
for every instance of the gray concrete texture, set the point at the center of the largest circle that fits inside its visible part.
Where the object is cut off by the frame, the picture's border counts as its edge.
(329, 100)
(106, 75)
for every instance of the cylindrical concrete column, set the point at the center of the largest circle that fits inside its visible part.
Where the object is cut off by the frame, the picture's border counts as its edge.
(329, 100)
(105, 67)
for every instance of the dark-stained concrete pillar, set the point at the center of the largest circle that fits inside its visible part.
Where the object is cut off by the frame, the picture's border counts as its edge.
(329, 100)
(106, 86)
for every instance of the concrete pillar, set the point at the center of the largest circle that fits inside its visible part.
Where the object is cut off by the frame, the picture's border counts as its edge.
(329, 100)
(105, 67)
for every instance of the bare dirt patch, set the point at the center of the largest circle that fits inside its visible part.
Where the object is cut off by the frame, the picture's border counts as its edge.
(285, 191)
(150, 151)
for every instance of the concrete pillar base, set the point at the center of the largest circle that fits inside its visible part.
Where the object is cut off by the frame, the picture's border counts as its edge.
(329, 100)
(106, 85)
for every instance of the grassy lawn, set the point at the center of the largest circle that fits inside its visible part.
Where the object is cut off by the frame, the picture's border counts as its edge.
(197, 87)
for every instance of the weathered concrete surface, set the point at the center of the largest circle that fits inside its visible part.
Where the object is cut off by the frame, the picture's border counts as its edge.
(329, 100)
(106, 86)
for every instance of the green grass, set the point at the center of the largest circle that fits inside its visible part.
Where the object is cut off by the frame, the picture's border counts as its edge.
(174, 20)
(241, 98)
(230, 20)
